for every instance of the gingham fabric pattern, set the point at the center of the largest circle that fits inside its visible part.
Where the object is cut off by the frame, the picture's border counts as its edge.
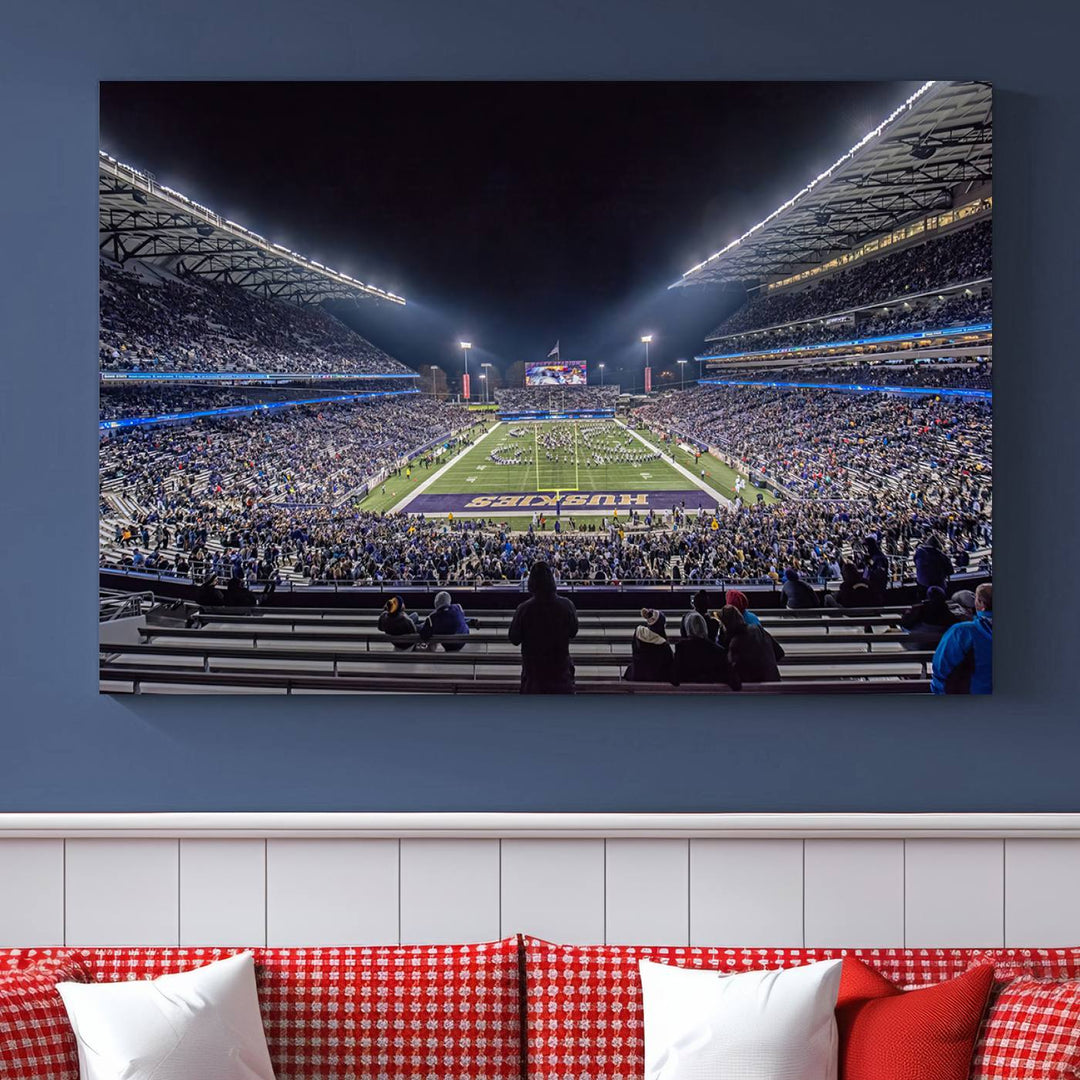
(1031, 1032)
(445, 1012)
(36, 1038)
(584, 1012)
(1036, 963)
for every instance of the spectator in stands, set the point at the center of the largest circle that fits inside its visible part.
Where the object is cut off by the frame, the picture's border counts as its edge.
(963, 662)
(698, 659)
(651, 651)
(395, 622)
(448, 618)
(932, 565)
(544, 626)
(237, 594)
(737, 599)
(699, 604)
(797, 593)
(962, 605)
(209, 595)
(928, 620)
(752, 651)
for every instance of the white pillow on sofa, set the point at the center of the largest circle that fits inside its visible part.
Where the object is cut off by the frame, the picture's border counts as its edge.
(203, 1023)
(756, 1025)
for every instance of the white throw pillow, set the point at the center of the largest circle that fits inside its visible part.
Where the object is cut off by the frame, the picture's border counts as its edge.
(757, 1025)
(201, 1024)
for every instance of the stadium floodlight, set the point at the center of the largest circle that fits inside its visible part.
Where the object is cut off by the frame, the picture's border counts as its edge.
(647, 338)
(601, 374)
(465, 344)
(842, 160)
(682, 374)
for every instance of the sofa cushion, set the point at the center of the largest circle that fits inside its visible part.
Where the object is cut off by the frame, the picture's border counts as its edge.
(392, 1012)
(1031, 1032)
(36, 1039)
(927, 1033)
(584, 1012)
(1033, 963)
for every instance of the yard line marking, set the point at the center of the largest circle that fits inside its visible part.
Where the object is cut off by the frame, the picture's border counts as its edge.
(720, 499)
(397, 509)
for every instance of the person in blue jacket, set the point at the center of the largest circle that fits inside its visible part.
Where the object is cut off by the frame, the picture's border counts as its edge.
(447, 618)
(963, 662)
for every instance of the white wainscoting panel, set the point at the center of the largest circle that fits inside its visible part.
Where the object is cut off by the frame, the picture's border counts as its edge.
(122, 892)
(449, 891)
(854, 893)
(1042, 892)
(554, 889)
(222, 892)
(954, 893)
(332, 892)
(31, 892)
(746, 892)
(647, 892)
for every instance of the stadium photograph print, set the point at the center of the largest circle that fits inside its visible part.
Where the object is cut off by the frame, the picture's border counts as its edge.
(546, 388)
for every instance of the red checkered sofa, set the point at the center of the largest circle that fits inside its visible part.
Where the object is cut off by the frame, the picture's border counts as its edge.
(526, 1009)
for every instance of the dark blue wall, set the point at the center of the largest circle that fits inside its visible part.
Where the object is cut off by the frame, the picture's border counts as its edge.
(64, 748)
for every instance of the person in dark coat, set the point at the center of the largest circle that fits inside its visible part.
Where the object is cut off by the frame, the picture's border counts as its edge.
(752, 650)
(927, 620)
(447, 618)
(853, 591)
(699, 605)
(700, 660)
(395, 622)
(877, 570)
(797, 593)
(737, 598)
(544, 625)
(651, 650)
(237, 594)
(932, 565)
(209, 595)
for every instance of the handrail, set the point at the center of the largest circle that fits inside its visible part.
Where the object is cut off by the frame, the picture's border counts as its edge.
(115, 605)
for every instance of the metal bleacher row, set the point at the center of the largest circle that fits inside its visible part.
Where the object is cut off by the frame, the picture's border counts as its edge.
(316, 650)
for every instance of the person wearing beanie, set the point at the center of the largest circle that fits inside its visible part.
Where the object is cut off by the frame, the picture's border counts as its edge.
(544, 626)
(752, 651)
(699, 660)
(699, 605)
(926, 621)
(652, 657)
(395, 622)
(737, 599)
(964, 660)
(797, 593)
(932, 565)
(447, 619)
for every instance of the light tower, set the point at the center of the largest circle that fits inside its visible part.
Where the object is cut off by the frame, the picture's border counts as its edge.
(682, 374)
(465, 347)
(484, 376)
(601, 374)
(645, 339)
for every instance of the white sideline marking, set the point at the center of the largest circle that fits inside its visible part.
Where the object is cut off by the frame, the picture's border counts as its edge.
(398, 507)
(720, 499)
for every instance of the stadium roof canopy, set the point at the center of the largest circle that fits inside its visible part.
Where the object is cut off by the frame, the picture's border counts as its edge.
(142, 219)
(912, 164)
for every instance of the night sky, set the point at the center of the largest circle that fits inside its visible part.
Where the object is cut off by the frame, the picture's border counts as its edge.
(510, 214)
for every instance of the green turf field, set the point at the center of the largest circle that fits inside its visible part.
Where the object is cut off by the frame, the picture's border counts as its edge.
(561, 457)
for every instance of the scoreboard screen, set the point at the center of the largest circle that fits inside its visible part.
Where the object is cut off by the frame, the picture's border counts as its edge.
(556, 374)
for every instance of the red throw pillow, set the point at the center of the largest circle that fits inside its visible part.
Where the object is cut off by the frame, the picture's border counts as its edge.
(892, 1034)
(36, 1038)
(1032, 1032)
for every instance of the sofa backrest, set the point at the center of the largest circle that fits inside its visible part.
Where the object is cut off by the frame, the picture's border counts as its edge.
(584, 1017)
(393, 1012)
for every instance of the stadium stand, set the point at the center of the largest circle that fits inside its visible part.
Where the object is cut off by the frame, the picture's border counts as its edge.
(316, 650)
(955, 373)
(549, 400)
(152, 320)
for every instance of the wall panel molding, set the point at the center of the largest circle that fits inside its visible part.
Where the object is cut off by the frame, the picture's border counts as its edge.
(288, 825)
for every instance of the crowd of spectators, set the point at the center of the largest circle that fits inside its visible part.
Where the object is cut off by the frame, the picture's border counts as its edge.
(542, 399)
(935, 452)
(314, 455)
(969, 372)
(953, 259)
(959, 310)
(151, 321)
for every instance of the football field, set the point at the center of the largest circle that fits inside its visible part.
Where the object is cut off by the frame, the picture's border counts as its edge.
(592, 467)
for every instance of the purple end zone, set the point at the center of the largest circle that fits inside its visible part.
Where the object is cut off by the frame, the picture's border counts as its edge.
(571, 501)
